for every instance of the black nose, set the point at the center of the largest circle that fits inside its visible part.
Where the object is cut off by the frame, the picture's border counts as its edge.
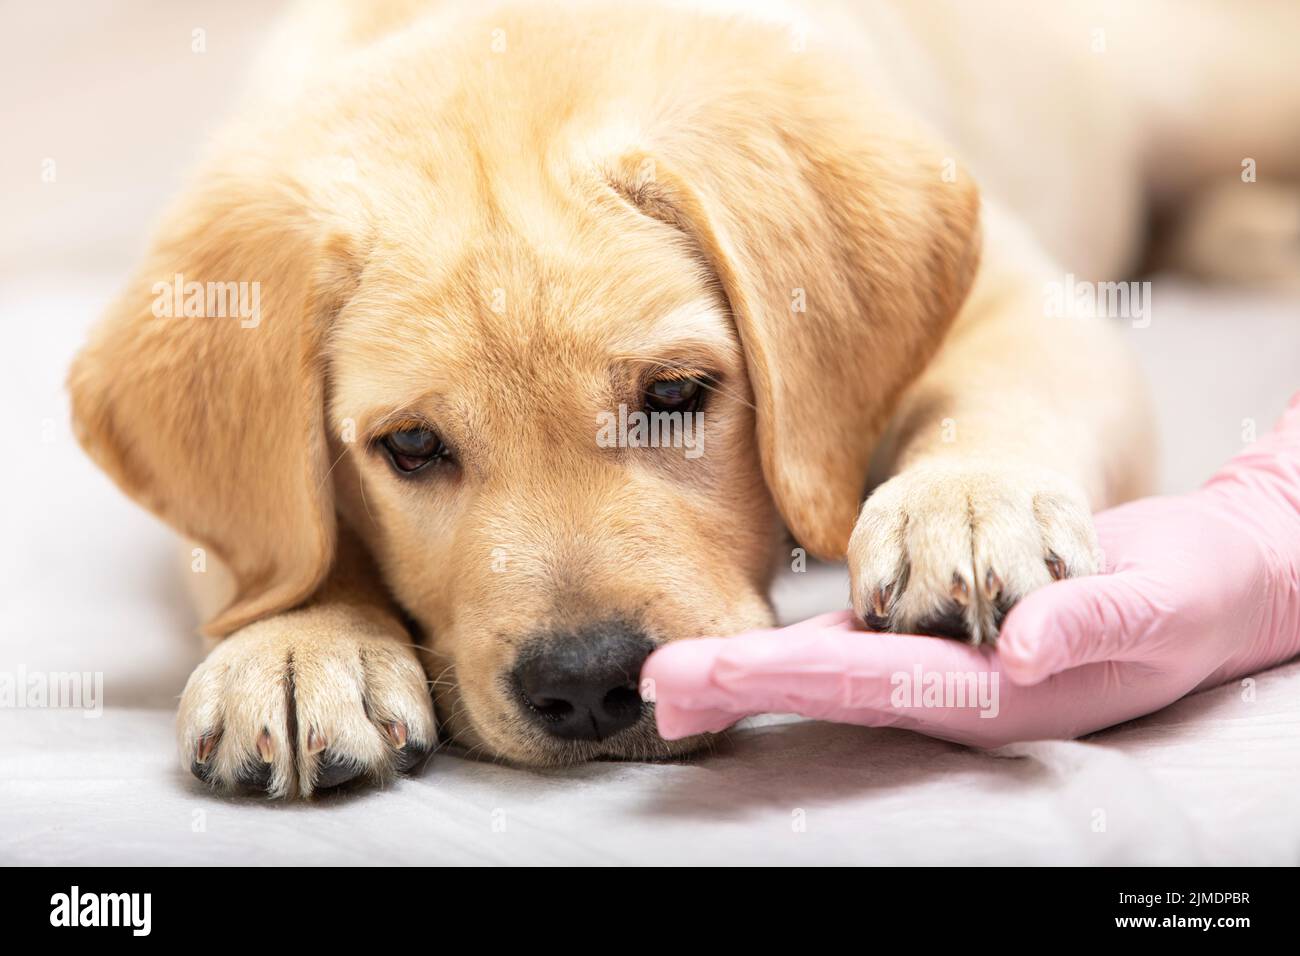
(583, 686)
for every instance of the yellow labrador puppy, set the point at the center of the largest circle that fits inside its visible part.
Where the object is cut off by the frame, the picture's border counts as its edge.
(391, 359)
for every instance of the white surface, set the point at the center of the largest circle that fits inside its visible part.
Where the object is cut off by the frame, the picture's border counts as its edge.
(90, 583)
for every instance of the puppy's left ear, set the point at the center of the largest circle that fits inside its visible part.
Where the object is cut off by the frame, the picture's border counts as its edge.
(211, 416)
(844, 250)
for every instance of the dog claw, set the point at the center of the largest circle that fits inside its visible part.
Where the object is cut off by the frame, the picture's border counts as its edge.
(395, 730)
(960, 591)
(1055, 566)
(877, 616)
(315, 741)
(199, 766)
(992, 585)
(265, 750)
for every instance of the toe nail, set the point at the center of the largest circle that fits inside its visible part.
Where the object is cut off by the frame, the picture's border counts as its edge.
(315, 741)
(264, 748)
(960, 590)
(396, 731)
(877, 616)
(992, 585)
(1055, 566)
(880, 600)
(199, 766)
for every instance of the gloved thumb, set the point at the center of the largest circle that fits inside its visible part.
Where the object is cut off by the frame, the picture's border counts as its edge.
(1105, 617)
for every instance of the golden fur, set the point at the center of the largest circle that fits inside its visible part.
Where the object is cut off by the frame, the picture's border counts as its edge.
(501, 223)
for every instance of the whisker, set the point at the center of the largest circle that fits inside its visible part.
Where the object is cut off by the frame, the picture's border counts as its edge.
(330, 471)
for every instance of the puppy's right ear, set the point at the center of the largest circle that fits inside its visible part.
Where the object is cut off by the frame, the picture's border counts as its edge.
(212, 420)
(843, 251)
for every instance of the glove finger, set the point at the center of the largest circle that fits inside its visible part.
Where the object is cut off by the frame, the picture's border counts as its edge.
(823, 673)
(685, 669)
(674, 723)
(1080, 621)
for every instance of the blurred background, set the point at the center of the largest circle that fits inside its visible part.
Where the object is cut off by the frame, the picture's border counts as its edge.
(120, 97)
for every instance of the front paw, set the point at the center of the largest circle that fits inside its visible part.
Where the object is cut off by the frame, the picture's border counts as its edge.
(947, 548)
(303, 702)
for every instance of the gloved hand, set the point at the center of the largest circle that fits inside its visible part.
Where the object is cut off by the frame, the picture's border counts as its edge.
(1199, 589)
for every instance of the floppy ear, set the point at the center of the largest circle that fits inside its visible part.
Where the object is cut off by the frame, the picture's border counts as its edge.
(214, 421)
(845, 254)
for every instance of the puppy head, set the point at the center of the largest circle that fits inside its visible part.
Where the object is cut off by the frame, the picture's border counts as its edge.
(456, 347)
(542, 538)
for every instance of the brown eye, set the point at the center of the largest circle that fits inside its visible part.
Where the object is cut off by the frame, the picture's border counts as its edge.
(675, 395)
(412, 448)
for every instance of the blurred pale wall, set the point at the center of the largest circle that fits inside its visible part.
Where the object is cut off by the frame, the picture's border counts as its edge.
(114, 93)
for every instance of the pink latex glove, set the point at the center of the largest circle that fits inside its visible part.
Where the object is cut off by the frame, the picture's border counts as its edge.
(1201, 588)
